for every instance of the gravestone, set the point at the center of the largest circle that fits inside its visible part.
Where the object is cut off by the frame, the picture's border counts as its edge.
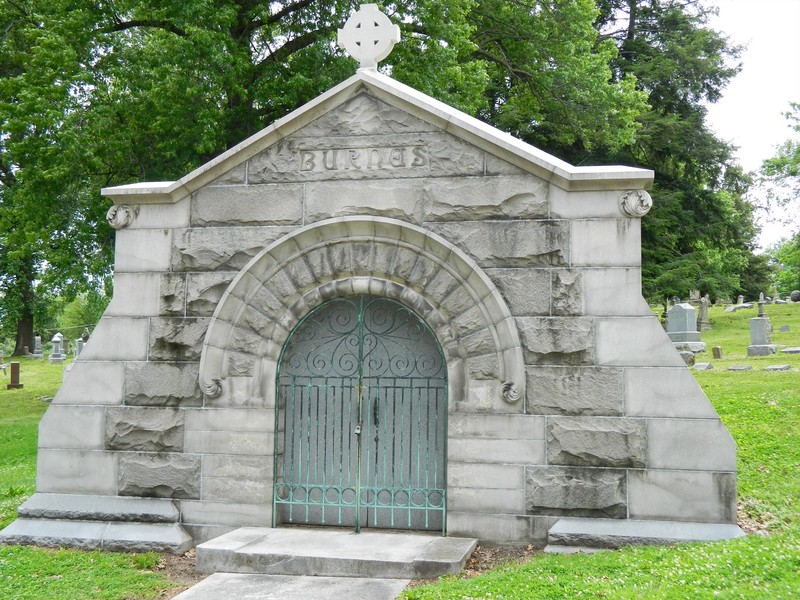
(14, 383)
(785, 329)
(703, 324)
(37, 347)
(57, 356)
(795, 296)
(716, 352)
(516, 278)
(682, 330)
(761, 333)
(740, 300)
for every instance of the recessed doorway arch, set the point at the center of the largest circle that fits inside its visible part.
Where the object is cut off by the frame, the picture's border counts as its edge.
(361, 419)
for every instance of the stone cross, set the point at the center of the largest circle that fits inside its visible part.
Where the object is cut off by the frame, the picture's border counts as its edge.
(368, 36)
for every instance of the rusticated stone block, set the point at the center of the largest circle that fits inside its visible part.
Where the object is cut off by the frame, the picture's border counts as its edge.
(221, 248)
(173, 294)
(589, 391)
(248, 205)
(204, 291)
(154, 384)
(481, 198)
(144, 429)
(510, 243)
(159, 475)
(597, 442)
(557, 340)
(577, 492)
(177, 339)
(567, 293)
(527, 291)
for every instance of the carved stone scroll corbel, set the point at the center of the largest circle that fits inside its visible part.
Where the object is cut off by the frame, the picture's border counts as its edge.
(635, 203)
(213, 388)
(121, 216)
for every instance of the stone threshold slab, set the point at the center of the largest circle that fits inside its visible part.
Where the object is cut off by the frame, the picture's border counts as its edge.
(615, 533)
(334, 553)
(280, 587)
(99, 508)
(89, 535)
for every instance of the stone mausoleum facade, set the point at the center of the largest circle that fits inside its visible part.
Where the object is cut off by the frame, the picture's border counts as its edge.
(235, 380)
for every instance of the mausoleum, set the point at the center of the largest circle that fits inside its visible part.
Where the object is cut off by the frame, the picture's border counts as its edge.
(380, 312)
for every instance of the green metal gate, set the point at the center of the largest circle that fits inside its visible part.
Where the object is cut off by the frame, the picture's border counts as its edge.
(361, 419)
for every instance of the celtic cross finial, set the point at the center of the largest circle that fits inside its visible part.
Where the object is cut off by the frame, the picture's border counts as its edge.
(368, 36)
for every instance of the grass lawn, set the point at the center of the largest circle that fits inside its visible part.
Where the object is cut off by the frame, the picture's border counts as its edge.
(761, 409)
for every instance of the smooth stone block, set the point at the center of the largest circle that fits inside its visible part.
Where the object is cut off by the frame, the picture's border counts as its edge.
(614, 291)
(496, 451)
(99, 508)
(778, 368)
(606, 242)
(705, 366)
(226, 513)
(76, 472)
(740, 368)
(634, 341)
(135, 295)
(692, 444)
(765, 350)
(486, 500)
(78, 427)
(118, 338)
(139, 250)
(700, 496)
(496, 476)
(795, 350)
(500, 528)
(465, 425)
(665, 392)
(92, 383)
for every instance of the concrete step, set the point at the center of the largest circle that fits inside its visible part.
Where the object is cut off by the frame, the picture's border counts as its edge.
(88, 535)
(99, 508)
(334, 553)
(583, 534)
(280, 587)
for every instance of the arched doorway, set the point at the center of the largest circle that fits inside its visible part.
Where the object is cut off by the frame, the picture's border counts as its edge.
(361, 419)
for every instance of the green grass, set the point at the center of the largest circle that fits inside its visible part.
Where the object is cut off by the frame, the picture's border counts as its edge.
(28, 573)
(761, 409)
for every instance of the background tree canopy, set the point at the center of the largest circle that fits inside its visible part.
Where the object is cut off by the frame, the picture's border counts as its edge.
(94, 94)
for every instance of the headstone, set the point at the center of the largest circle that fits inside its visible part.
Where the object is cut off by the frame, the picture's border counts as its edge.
(15, 384)
(704, 366)
(716, 352)
(779, 301)
(740, 368)
(795, 296)
(795, 350)
(777, 368)
(682, 329)
(57, 357)
(694, 297)
(682, 323)
(703, 323)
(79, 344)
(740, 299)
(784, 329)
(760, 333)
(739, 307)
(688, 357)
(37, 347)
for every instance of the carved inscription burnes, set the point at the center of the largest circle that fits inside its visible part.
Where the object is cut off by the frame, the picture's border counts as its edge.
(363, 158)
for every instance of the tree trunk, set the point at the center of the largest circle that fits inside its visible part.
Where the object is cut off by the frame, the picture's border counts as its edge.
(25, 318)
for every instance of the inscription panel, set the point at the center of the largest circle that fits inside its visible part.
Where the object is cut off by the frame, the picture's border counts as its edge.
(366, 157)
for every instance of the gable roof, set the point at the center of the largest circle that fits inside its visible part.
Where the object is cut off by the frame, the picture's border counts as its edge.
(403, 97)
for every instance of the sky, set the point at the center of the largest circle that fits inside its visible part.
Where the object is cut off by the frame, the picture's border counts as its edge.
(750, 113)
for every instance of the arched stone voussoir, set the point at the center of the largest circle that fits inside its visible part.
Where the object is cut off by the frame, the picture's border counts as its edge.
(364, 255)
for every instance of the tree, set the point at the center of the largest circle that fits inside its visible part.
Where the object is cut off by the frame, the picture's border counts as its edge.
(700, 232)
(782, 172)
(785, 256)
(94, 94)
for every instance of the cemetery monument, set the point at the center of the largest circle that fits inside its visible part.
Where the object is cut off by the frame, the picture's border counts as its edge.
(380, 312)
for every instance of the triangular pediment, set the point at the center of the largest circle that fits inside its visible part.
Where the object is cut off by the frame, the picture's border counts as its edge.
(372, 126)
